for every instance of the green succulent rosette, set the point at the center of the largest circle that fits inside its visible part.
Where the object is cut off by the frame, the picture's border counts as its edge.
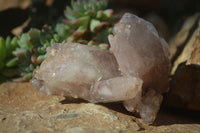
(31, 50)
(87, 22)
(8, 62)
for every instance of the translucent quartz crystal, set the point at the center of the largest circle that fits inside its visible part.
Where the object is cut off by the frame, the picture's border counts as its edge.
(140, 52)
(134, 71)
(82, 71)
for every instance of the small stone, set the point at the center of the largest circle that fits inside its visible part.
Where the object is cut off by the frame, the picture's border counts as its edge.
(67, 116)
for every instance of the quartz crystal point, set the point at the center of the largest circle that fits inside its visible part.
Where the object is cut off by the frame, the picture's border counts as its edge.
(134, 71)
(140, 52)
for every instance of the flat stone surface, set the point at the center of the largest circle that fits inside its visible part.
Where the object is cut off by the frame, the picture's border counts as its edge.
(25, 110)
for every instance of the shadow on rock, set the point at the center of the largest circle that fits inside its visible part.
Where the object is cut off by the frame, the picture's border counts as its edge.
(170, 116)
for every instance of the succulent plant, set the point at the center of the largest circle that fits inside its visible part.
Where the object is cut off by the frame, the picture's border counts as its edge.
(87, 21)
(31, 50)
(8, 61)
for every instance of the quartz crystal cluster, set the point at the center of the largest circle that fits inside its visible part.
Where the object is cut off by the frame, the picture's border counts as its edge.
(134, 71)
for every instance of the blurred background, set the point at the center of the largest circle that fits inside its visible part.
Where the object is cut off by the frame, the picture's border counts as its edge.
(167, 15)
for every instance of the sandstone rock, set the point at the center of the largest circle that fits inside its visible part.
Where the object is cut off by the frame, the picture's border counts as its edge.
(185, 55)
(23, 109)
(188, 52)
(182, 36)
(27, 110)
(6, 4)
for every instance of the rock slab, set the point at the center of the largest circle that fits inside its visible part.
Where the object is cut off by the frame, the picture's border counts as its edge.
(185, 56)
(24, 110)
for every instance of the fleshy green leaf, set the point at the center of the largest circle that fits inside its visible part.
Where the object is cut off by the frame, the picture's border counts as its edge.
(71, 15)
(8, 43)
(2, 49)
(24, 42)
(94, 23)
(34, 35)
(82, 21)
(62, 30)
(12, 62)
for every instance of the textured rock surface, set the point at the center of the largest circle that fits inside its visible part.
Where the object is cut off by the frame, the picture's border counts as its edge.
(24, 110)
(185, 56)
(182, 36)
(187, 50)
(135, 70)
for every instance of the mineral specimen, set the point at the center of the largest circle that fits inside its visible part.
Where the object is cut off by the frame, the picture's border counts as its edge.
(134, 71)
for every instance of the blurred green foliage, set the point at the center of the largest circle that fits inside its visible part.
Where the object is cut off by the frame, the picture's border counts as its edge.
(86, 21)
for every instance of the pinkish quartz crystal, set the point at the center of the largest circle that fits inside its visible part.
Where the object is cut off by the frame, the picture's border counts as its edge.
(134, 71)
